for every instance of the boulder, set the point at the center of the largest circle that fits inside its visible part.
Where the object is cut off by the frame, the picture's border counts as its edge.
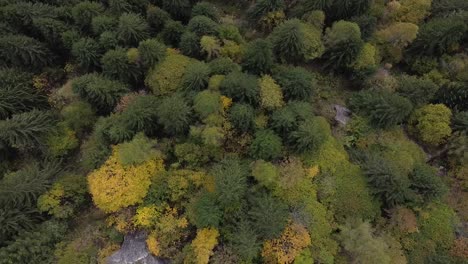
(134, 250)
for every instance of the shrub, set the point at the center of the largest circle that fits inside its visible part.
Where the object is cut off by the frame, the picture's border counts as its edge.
(137, 151)
(61, 141)
(240, 87)
(431, 123)
(78, 116)
(211, 47)
(242, 116)
(266, 145)
(258, 57)
(294, 41)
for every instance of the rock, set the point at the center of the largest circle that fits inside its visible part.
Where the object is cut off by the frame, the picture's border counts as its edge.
(342, 114)
(134, 251)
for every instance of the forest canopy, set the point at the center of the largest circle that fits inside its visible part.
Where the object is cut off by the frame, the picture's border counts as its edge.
(234, 132)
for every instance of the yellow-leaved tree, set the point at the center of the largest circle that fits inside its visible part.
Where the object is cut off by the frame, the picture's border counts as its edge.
(203, 244)
(115, 186)
(288, 246)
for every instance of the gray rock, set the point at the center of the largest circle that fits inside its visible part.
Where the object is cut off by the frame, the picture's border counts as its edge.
(133, 251)
(343, 114)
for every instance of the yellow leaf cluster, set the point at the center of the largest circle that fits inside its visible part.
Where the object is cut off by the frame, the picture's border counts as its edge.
(146, 216)
(153, 244)
(226, 102)
(114, 186)
(285, 248)
(270, 93)
(203, 244)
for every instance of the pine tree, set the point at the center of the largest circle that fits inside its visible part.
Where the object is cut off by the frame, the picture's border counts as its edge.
(174, 114)
(27, 130)
(258, 57)
(132, 28)
(116, 64)
(22, 51)
(151, 52)
(87, 52)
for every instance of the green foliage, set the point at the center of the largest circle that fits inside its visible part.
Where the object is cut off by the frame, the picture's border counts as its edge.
(78, 116)
(179, 9)
(100, 92)
(156, 17)
(454, 95)
(364, 247)
(190, 44)
(431, 123)
(151, 52)
(205, 9)
(172, 32)
(266, 145)
(174, 114)
(23, 187)
(310, 134)
(295, 41)
(108, 40)
(460, 122)
(50, 29)
(230, 183)
(244, 241)
(271, 96)
(202, 26)
(166, 78)
(95, 150)
(141, 114)
(87, 53)
(64, 197)
(223, 66)
(196, 77)
(84, 12)
(266, 174)
(61, 141)
(439, 36)
(286, 119)
(23, 51)
(426, 183)
(204, 211)
(242, 116)
(384, 110)
(27, 130)
(419, 91)
(263, 7)
(103, 23)
(34, 246)
(14, 220)
(269, 215)
(296, 82)
(258, 57)
(241, 87)
(206, 103)
(132, 28)
(137, 151)
(116, 64)
(16, 93)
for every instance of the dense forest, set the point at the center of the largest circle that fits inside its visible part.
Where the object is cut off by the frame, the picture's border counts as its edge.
(234, 131)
